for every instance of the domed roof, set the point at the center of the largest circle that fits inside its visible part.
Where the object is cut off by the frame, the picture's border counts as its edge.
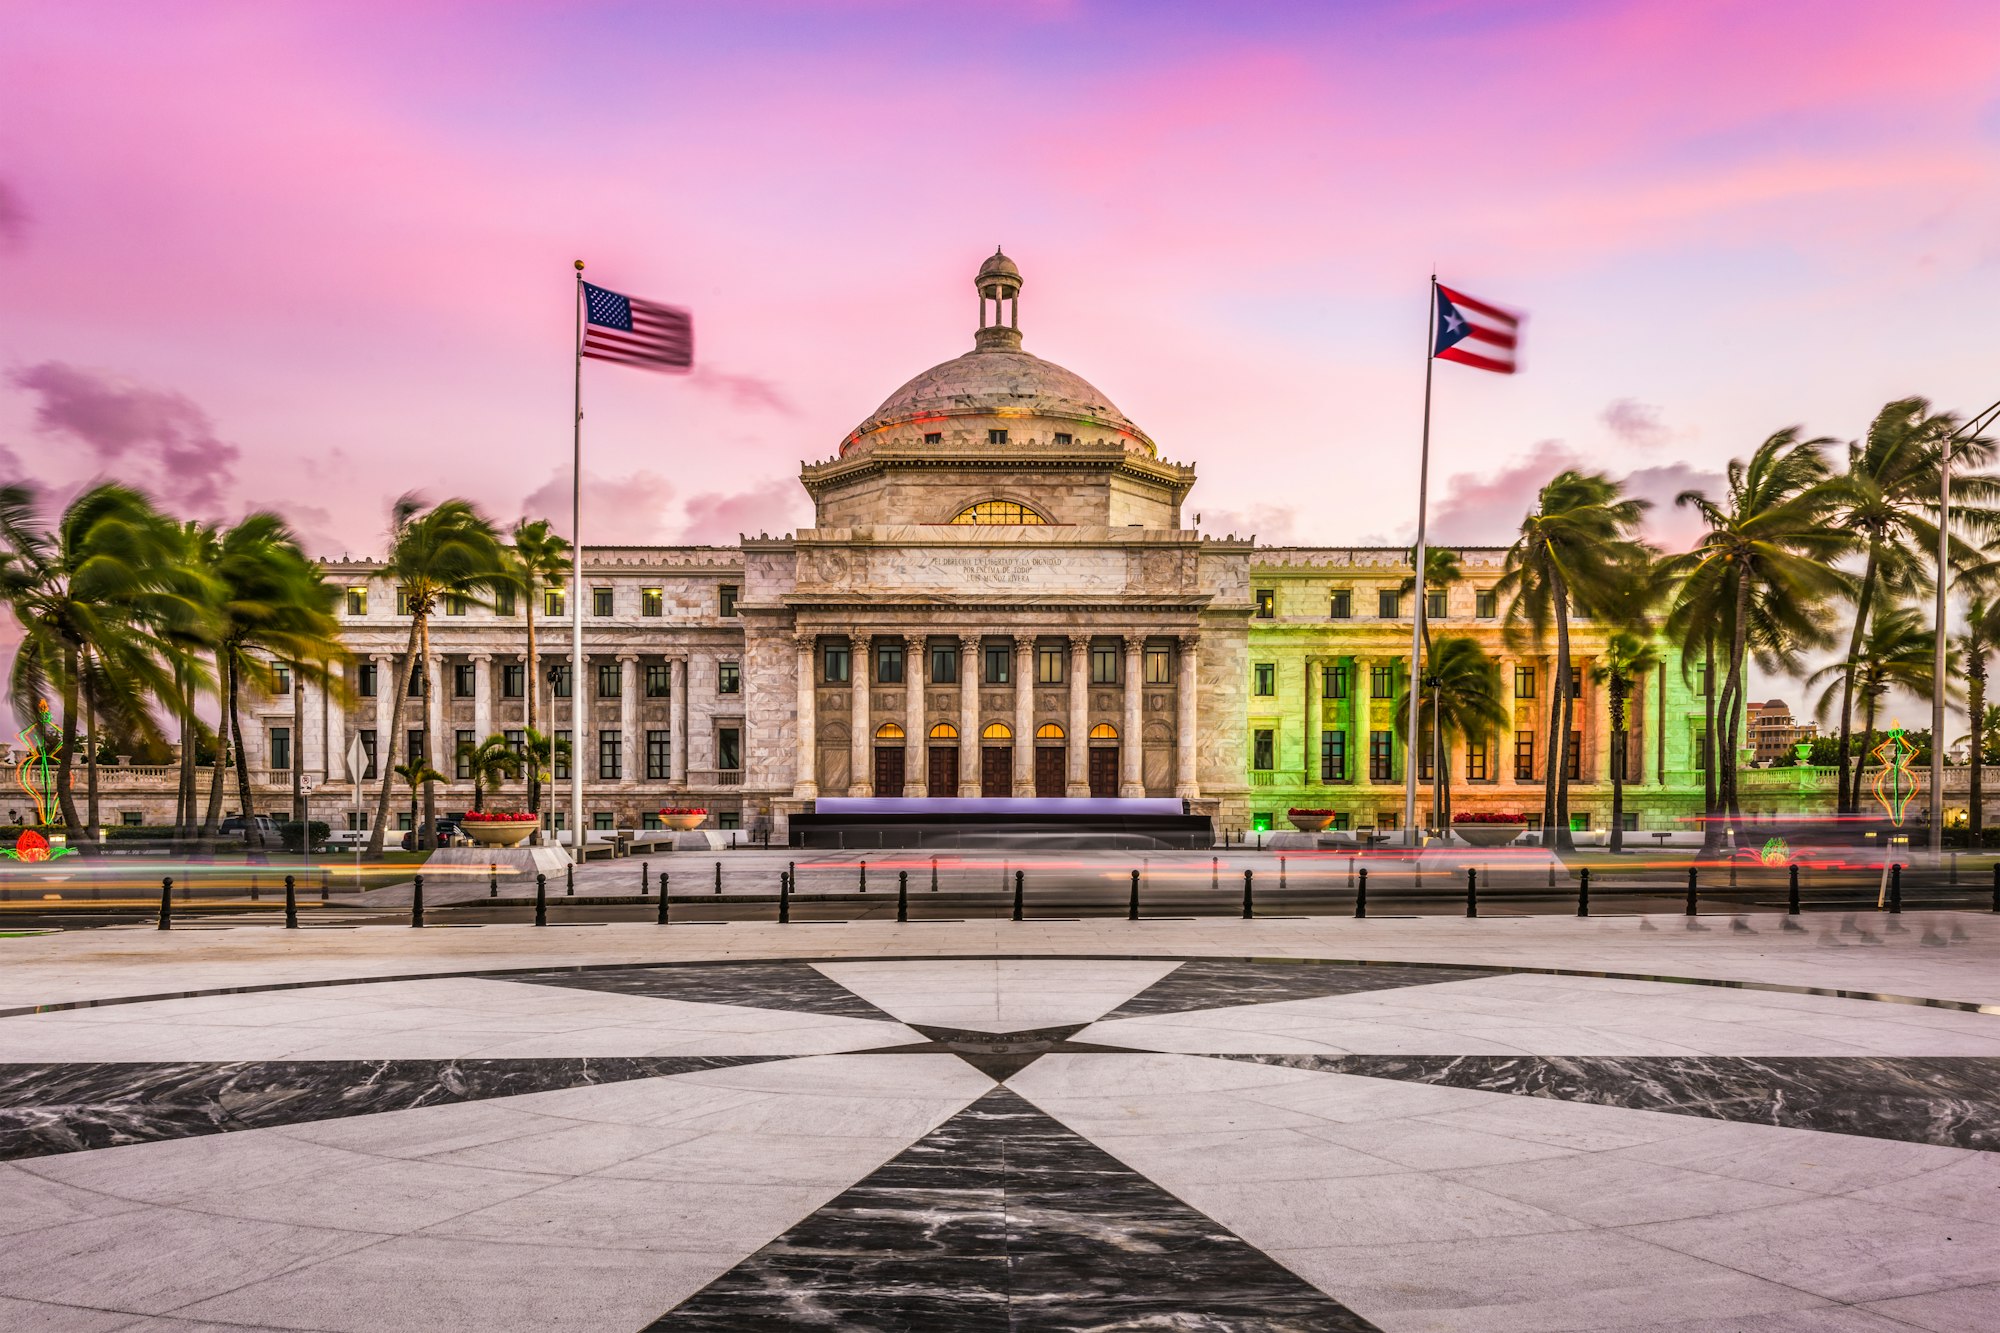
(997, 264)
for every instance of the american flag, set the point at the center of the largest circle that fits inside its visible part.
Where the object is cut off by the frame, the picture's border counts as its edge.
(634, 332)
(1495, 333)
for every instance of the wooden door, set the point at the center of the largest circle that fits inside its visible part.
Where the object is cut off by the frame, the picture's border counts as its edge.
(944, 770)
(996, 770)
(1051, 765)
(889, 770)
(1103, 770)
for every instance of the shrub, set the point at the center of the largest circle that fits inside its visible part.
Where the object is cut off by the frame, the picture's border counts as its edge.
(290, 832)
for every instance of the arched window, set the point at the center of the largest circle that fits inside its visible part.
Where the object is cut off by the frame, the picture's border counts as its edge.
(997, 731)
(1104, 731)
(1007, 512)
(944, 731)
(888, 731)
(1048, 731)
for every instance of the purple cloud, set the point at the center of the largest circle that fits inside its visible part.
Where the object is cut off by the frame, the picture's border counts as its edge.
(126, 424)
(1486, 509)
(715, 518)
(629, 509)
(751, 392)
(1635, 423)
(1268, 523)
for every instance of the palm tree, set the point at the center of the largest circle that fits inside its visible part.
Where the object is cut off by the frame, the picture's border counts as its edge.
(417, 774)
(538, 753)
(490, 762)
(538, 559)
(1461, 691)
(449, 550)
(1888, 500)
(1626, 658)
(1899, 653)
(1441, 570)
(1760, 580)
(1975, 647)
(1576, 552)
(276, 605)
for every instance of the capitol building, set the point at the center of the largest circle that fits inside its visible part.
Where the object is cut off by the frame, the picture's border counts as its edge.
(1000, 595)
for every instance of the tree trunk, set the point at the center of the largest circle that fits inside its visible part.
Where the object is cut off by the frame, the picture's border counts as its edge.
(1975, 700)
(426, 839)
(1618, 687)
(91, 809)
(1711, 837)
(184, 822)
(386, 745)
(253, 834)
(1565, 840)
(1731, 706)
(299, 748)
(533, 682)
(213, 818)
(1850, 790)
(66, 758)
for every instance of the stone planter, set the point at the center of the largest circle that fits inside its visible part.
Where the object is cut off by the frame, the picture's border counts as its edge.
(500, 833)
(1487, 835)
(682, 823)
(1305, 823)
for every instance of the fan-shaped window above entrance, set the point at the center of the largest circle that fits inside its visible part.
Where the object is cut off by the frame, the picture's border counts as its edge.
(888, 731)
(1000, 512)
(944, 731)
(1048, 731)
(997, 731)
(1104, 731)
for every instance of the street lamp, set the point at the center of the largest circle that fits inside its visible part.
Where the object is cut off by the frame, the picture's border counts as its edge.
(1939, 680)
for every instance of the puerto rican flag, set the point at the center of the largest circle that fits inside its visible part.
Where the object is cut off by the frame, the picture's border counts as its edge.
(1476, 334)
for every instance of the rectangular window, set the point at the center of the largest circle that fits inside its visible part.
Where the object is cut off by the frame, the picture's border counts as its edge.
(1343, 605)
(1701, 751)
(454, 603)
(1574, 762)
(368, 773)
(1264, 679)
(281, 747)
(416, 690)
(462, 761)
(944, 664)
(999, 663)
(609, 763)
(1426, 757)
(517, 740)
(1267, 603)
(1333, 756)
(1263, 750)
(1486, 604)
(1434, 604)
(934, 437)
(728, 678)
(1575, 683)
(1524, 756)
(357, 601)
(1381, 755)
(503, 602)
(1050, 662)
(600, 601)
(464, 680)
(602, 820)
(1629, 820)
(996, 437)
(728, 819)
(1159, 664)
(1524, 682)
(364, 680)
(555, 602)
(1381, 682)
(729, 748)
(889, 664)
(402, 601)
(726, 599)
(836, 668)
(413, 745)
(559, 681)
(1333, 680)
(652, 601)
(659, 756)
(403, 821)
(650, 821)
(281, 678)
(513, 680)
(1062, 438)
(1388, 821)
(560, 765)
(1475, 761)
(610, 680)
(1104, 664)
(659, 680)
(1388, 603)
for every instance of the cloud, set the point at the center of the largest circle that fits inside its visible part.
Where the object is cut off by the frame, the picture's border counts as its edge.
(313, 525)
(1486, 509)
(1270, 524)
(13, 217)
(630, 509)
(715, 518)
(124, 424)
(1669, 526)
(1635, 423)
(745, 391)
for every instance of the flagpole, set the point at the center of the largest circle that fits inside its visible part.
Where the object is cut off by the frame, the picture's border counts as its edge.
(576, 714)
(1422, 585)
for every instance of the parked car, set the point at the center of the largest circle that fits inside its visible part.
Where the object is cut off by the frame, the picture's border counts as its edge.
(347, 837)
(235, 827)
(449, 834)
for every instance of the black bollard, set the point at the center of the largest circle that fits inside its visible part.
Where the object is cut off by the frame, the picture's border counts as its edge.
(1361, 894)
(1019, 879)
(1996, 883)
(1248, 910)
(902, 895)
(791, 875)
(253, 886)
(718, 877)
(167, 903)
(1792, 895)
(325, 884)
(417, 903)
(662, 918)
(1132, 911)
(1996, 886)
(1583, 892)
(1693, 884)
(1472, 892)
(784, 897)
(1896, 889)
(541, 900)
(291, 905)
(864, 876)
(645, 876)
(569, 879)
(493, 881)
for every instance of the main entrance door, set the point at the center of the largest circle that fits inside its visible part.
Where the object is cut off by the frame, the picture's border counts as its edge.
(996, 770)
(1103, 770)
(889, 770)
(1049, 770)
(944, 770)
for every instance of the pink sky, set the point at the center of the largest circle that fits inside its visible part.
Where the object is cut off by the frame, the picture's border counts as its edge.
(311, 256)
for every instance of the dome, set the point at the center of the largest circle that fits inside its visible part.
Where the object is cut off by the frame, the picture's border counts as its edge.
(998, 265)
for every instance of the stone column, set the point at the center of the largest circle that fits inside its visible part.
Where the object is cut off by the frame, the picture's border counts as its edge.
(433, 717)
(861, 736)
(916, 728)
(1024, 716)
(1313, 722)
(677, 720)
(968, 715)
(386, 683)
(806, 786)
(1187, 782)
(631, 754)
(1079, 715)
(1361, 708)
(333, 737)
(1131, 753)
(482, 697)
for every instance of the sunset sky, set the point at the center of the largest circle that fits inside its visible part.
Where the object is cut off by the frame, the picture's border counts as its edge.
(312, 256)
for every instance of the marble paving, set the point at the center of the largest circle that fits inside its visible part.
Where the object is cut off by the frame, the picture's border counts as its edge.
(1209, 1144)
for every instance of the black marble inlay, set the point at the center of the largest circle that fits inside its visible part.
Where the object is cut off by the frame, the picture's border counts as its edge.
(59, 1108)
(1002, 1219)
(796, 986)
(998, 1055)
(1947, 1100)
(1221, 982)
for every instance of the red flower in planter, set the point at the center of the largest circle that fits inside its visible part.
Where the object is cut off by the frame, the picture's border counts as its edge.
(500, 817)
(685, 810)
(1489, 817)
(1311, 814)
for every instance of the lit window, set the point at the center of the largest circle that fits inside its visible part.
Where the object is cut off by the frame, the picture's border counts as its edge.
(553, 602)
(1267, 603)
(652, 601)
(281, 678)
(1104, 731)
(1050, 662)
(454, 603)
(1524, 682)
(1265, 679)
(944, 731)
(888, 731)
(503, 601)
(402, 601)
(600, 601)
(1104, 664)
(1049, 731)
(997, 731)
(999, 513)
(357, 601)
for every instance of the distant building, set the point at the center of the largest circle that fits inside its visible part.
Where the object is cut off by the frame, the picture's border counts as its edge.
(1774, 731)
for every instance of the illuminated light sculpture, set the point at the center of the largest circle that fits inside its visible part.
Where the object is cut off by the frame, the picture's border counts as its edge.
(1775, 852)
(36, 776)
(1895, 782)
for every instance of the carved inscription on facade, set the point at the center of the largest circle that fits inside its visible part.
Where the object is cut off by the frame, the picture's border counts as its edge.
(998, 571)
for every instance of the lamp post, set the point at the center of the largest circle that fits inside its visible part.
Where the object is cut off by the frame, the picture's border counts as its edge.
(1939, 680)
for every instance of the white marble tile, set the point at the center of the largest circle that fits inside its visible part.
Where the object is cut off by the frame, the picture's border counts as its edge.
(1002, 995)
(1611, 1190)
(1955, 1310)
(1794, 1158)
(1968, 1187)
(38, 1317)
